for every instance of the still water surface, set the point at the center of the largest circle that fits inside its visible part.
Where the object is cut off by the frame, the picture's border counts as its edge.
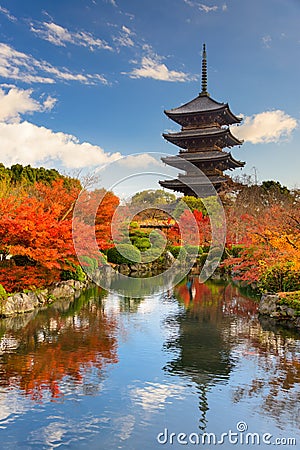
(105, 372)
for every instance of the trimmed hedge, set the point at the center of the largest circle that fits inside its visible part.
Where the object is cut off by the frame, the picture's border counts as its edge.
(142, 243)
(174, 250)
(177, 251)
(130, 254)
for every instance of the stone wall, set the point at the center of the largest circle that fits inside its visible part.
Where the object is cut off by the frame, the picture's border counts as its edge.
(270, 305)
(28, 301)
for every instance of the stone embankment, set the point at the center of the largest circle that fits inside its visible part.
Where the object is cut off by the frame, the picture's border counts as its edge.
(274, 306)
(28, 301)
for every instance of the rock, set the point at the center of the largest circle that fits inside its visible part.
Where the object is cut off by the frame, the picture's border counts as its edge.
(290, 312)
(42, 296)
(169, 258)
(63, 289)
(268, 304)
(25, 302)
(124, 269)
(284, 314)
(19, 303)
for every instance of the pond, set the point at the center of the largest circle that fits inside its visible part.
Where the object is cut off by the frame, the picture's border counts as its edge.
(194, 367)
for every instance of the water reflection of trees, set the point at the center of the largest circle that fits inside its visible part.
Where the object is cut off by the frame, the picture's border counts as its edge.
(129, 305)
(140, 285)
(277, 379)
(219, 327)
(59, 345)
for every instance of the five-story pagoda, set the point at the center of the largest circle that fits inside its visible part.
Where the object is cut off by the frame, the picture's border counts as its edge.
(204, 133)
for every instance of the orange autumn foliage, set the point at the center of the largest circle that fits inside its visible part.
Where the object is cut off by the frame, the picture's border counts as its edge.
(187, 223)
(270, 238)
(37, 224)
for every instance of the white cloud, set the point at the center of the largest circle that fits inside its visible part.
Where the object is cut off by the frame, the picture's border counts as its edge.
(203, 7)
(266, 127)
(142, 160)
(20, 66)
(267, 40)
(124, 38)
(8, 14)
(15, 101)
(126, 29)
(26, 143)
(224, 7)
(152, 67)
(49, 103)
(58, 35)
(208, 9)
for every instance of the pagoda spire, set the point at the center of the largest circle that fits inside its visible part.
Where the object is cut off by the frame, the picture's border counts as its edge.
(204, 73)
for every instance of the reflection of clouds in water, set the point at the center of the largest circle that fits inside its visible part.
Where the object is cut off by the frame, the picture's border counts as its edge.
(124, 426)
(155, 395)
(11, 406)
(112, 304)
(149, 304)
(65, 432)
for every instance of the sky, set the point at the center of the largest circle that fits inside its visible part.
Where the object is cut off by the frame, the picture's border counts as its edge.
(84, 82)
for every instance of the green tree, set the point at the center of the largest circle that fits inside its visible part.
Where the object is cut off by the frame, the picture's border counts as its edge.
(153, 197)
(188, 201)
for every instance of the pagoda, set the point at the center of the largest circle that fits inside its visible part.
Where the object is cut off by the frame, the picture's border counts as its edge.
(204, 134)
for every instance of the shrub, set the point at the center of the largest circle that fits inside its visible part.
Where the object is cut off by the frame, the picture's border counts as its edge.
(178, 252)
(193, 250)
(75, 273)
(3, 293)
(235, 250)
(151, 255)
(174, 249)
(202, 259)
(279, 279)
(291, 299)
(137, 233)
(205, 248)
(134, 224)
(91, 263)
(182, 255)
(157, 239)
(129, 255)
(142, 243)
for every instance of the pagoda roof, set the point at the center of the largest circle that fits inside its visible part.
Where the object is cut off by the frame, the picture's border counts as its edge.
(187, 138)
(200, 184)
(185, 159)
(201, 105)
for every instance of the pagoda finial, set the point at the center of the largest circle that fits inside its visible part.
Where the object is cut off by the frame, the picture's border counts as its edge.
(204, 73)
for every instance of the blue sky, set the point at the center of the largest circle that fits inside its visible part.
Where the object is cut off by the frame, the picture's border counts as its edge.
(83, 82)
